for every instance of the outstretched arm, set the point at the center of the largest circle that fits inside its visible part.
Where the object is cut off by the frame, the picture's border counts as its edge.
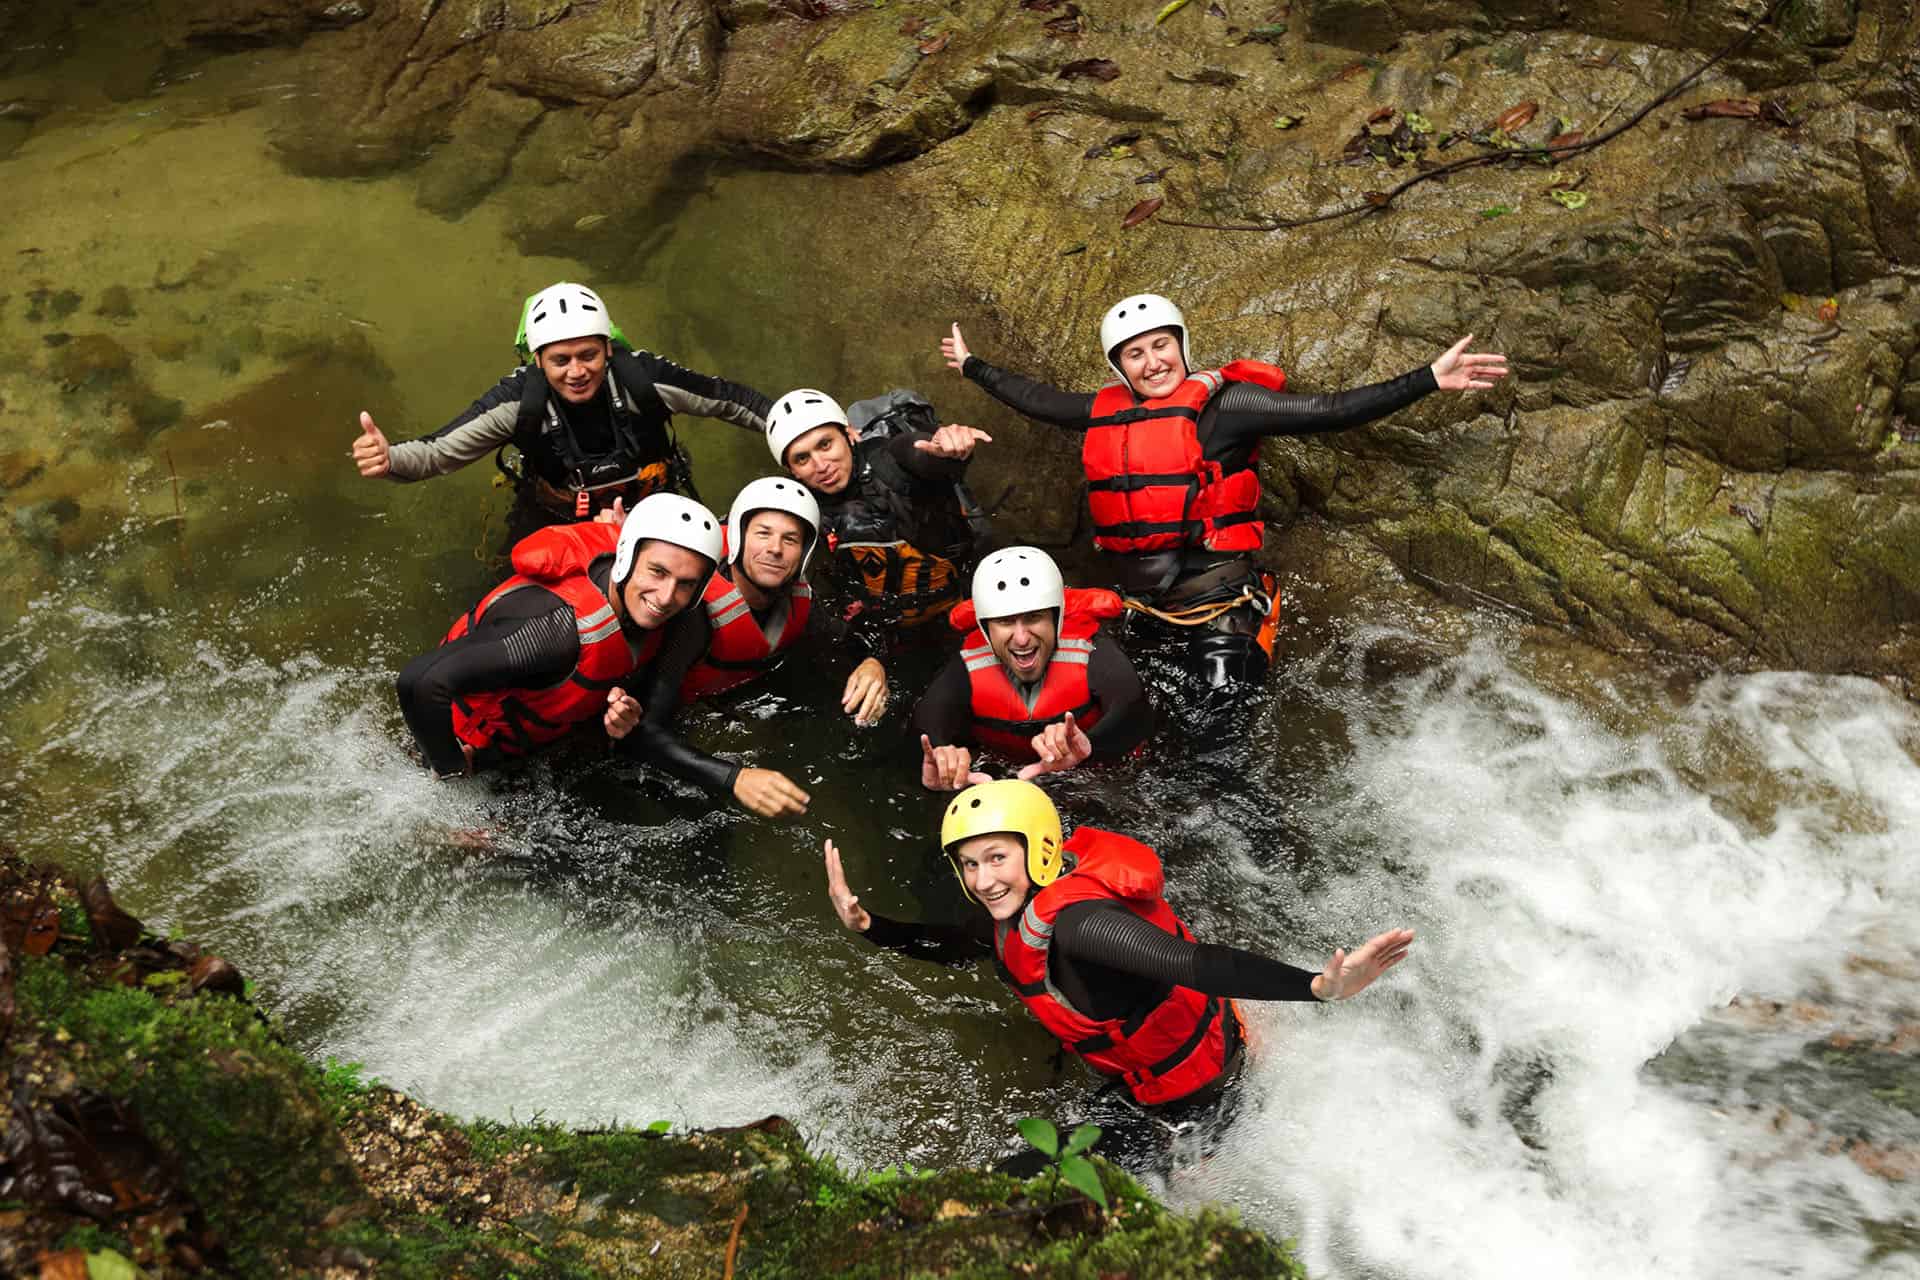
(1118, 939)
(941, 944)
(1036, 400)
(703, 395)
(1247, 411)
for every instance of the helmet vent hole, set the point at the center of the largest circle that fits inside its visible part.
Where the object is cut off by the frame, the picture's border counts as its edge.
(974, 805)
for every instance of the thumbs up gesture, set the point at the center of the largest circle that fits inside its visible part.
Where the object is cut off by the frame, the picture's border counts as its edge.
(371, 449)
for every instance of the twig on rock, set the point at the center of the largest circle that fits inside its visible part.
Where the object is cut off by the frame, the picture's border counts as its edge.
(1377, 204)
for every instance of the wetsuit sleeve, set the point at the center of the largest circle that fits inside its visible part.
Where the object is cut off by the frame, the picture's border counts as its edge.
(486, 425)
(1126, 716)
(654, 738)
(945, 711)
(922, 465)
(528, 639)
(684, 391)
(1245, 412)
(1110, 936)
(938, 943)
(1036, 400)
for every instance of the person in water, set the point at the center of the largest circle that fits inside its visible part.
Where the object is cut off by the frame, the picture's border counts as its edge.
(590, 415)
(1081, 931)
(895, 532)
(1173, 487)
(756, 609)
(537, 656)
(1037, 680)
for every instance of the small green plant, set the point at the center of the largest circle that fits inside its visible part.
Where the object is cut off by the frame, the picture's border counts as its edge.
(660, 1126)
(342, 1085)
(1495, 211)
(1068, 1163)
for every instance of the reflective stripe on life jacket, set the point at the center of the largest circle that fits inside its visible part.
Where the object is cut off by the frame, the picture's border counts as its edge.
(1175, 1044)
(740, 648)
(515, 721)
(1149, 485)
(1006, 721)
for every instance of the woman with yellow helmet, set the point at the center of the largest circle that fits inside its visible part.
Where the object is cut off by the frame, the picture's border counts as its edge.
(1096, 954)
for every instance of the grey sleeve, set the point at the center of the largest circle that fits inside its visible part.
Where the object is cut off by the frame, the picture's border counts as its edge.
(684, 391)
(453, 447)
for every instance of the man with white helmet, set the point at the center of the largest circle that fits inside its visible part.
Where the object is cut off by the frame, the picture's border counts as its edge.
(893, 525)
(1171, 454)
(538, 655)
(590, 415)
(757, 607)
(1036, 681)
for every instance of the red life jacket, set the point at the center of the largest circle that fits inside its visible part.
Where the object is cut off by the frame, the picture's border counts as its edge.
(1149, 488)
(739, 650)
(515, 721)
(1002, 720)
(1162, 1052)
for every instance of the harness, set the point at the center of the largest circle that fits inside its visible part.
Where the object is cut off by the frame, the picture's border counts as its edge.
(645, 458)
(1173, 1045)
(1005, 718)
(741, 648)
(877, 533)
(516, 721)
(1150, 486)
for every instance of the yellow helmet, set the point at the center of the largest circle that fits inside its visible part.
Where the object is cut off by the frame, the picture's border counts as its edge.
(1008, 805)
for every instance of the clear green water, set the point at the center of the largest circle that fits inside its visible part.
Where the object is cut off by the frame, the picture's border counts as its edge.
(204, 609)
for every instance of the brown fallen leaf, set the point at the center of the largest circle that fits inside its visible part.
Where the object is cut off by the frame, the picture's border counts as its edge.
(68, 1264)
(1097, 68)
(1563, 140)
(930, 47)
(913, 26)
(1347, 72)
(211, 973)
(1724, 109)
(1516, 118)
(1384, 113)
(1142, 211)
(111, 925)
(1378, 199)
(1829, 311)
(43, 930)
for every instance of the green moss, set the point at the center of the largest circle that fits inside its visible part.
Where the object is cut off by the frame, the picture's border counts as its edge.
(428, 1247)
(214, 1085)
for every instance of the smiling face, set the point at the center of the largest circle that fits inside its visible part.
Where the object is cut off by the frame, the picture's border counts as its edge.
(1153, 363)
(1024, 642)
(822, 459)
(994, 869)
(575, 367)
(771, 547)
(665, 580)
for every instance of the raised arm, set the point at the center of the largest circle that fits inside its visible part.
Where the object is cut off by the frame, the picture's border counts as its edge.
(941, 944)
(1036, 400)
(1247, 411)
(486, 425)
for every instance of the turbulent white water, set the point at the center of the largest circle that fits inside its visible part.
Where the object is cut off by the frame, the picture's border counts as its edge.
(1555, 1083)
(1587, 901)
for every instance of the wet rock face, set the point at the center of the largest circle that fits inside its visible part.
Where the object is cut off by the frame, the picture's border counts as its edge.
(1706, 443)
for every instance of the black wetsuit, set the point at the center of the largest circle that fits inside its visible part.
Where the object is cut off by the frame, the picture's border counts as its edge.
(555, 448)
(897, 492)
(527, 639)
(1223, 655)
(1109, 963)
(655, 739)
(945, 712)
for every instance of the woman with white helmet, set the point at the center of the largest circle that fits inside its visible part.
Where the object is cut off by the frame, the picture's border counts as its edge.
(537, 656)
(1037, 681)
(1080, 929)
(590, 415)
(895, 531)
(1171, 454)
(756, 609)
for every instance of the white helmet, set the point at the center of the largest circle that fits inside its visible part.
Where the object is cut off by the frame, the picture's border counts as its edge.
(774, 493)
(1131, 317)
(666, 517)
(562, 311)
(1018, 580)
(797, 413)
